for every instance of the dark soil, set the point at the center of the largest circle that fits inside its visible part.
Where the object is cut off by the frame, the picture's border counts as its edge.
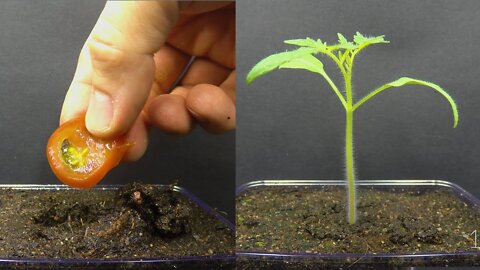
(309, 220)
(137, 221)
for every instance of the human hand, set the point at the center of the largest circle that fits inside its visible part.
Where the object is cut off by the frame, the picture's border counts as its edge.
(133, 56)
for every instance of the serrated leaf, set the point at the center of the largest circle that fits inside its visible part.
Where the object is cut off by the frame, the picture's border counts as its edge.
(406, 81)
(343, 43)
(303, 42)
(307, 42)
(274, 61)
(308, 62)
(341, 38)
(363, 41)
(359, 38)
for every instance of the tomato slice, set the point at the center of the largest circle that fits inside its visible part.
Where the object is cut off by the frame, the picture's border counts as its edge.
(79, 159)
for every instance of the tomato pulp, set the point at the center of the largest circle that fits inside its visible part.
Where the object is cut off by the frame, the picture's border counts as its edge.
(80, 159)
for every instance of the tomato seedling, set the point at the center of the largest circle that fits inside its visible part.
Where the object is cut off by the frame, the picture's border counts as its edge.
(343, 54)
(78, 158)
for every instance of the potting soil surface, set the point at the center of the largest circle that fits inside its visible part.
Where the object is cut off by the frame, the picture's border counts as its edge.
(137, 221)
(304, 220)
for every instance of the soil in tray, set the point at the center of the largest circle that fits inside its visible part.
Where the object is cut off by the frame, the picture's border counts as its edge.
(306, 220)
(136, 221)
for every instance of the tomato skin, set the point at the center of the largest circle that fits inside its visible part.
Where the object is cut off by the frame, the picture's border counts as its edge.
(99, 158)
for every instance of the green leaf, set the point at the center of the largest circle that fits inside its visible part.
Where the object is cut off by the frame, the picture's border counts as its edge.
(363, 41)
(298, 59)
(274, 61)
(308, 62)
(302, 42)
(359, 38)
(343, 43)
(311, 63)
(405, 81)
(308, 42)
(341, 39)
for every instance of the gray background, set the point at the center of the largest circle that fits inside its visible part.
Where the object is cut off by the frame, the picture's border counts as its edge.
(39, 46)
(291, 124)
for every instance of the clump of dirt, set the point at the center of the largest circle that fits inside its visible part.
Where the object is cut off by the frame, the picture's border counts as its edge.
(138, 220)
(158, 208)
(309, 220)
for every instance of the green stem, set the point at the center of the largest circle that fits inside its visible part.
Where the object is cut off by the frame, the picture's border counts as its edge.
(335, 89)
(349, 162)
(350, 166)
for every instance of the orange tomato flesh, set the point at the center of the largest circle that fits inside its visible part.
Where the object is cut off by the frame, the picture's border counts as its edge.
(79, 159)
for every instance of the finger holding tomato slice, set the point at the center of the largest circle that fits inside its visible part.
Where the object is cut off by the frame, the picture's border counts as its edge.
(80, 159)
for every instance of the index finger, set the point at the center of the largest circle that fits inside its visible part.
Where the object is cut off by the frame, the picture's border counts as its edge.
(210, 35)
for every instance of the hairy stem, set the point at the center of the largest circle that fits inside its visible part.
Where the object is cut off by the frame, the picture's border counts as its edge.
(350, 166)
(349, 162)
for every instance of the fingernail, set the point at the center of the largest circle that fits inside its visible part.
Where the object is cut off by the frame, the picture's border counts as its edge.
(100, 112)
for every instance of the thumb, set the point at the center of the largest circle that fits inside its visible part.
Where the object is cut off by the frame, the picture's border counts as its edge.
(118, 74)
